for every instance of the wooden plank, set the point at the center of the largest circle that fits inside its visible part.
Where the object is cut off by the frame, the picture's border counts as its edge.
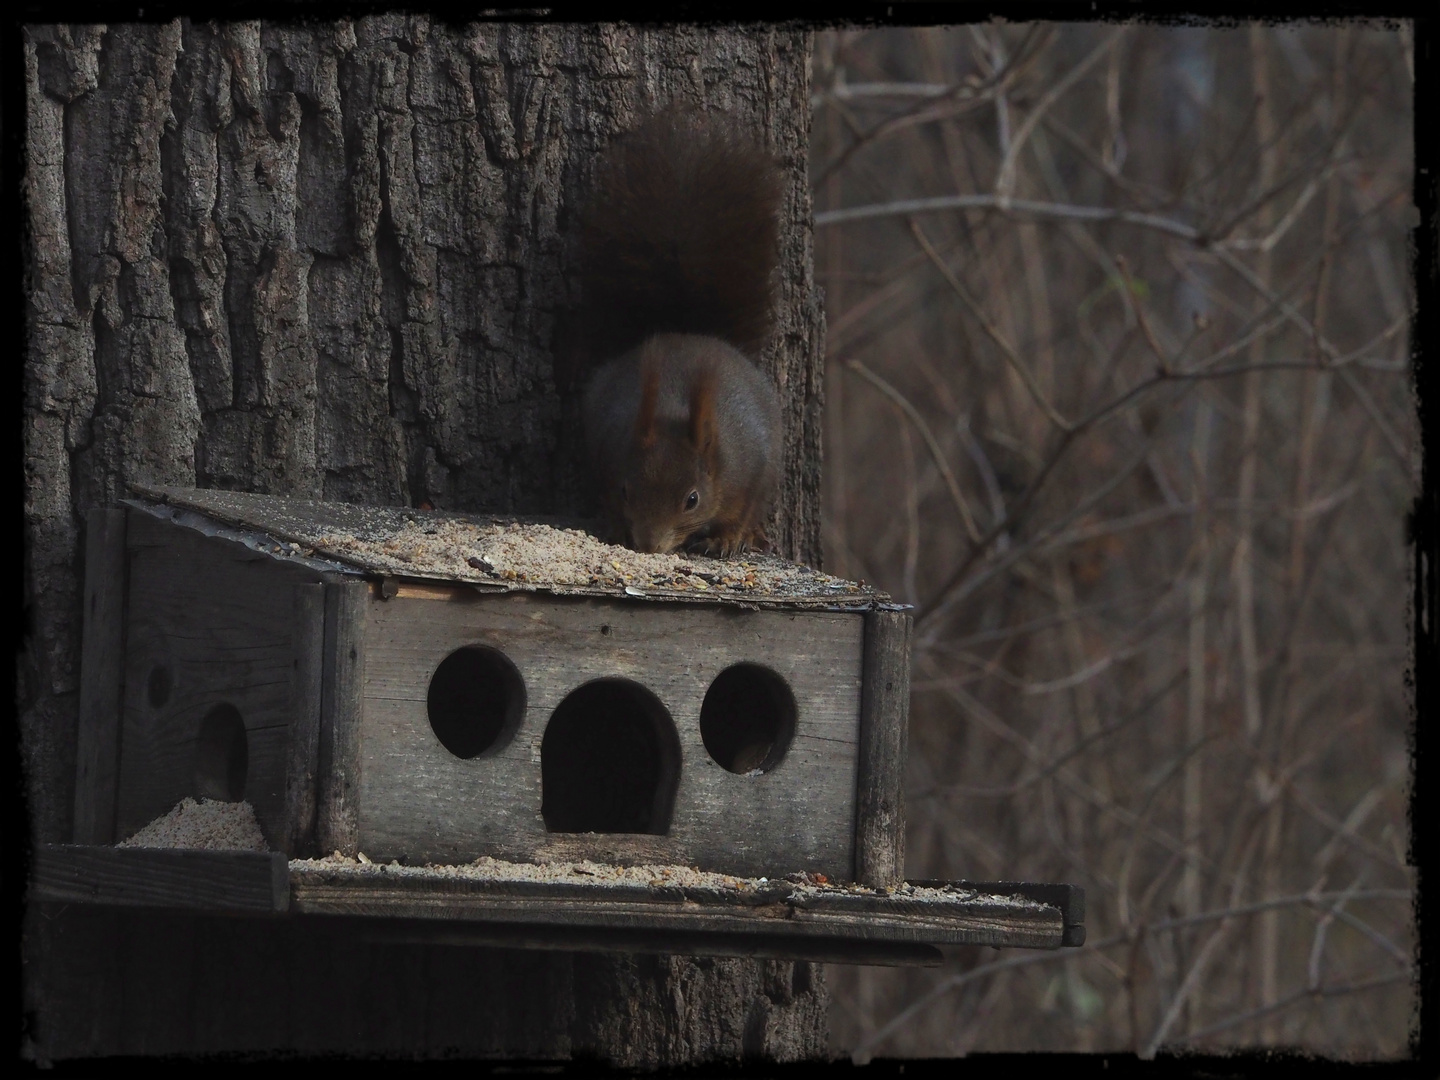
(774, 912)
(1069, 899)
(214, 881)
(666, 943)
(421, 803)
(342, 696)
(302, 771)
(616, 849)
(97, 741)
(773, 919)
(208, 623)
(884, 739)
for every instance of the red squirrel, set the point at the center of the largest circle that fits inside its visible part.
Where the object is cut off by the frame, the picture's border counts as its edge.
(678, 260)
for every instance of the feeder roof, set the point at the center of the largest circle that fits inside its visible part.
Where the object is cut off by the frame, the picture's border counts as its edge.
(493, 553)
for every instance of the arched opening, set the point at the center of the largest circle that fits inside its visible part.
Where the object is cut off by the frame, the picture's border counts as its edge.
(222, 755)
(609, 761)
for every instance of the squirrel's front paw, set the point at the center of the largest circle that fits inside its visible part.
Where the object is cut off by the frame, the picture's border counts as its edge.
(729, 544)
(717, 546)
(712, 546)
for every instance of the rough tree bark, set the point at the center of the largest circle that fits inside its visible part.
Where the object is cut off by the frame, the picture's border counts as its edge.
(328, 260)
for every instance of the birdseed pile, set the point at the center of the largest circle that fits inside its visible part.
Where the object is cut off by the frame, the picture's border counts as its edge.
(209, 824)
(581, 872)
(584, 872)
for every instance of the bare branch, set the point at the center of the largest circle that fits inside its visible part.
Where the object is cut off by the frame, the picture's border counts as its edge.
(1049, 770)
(861, 1053)
(956, 981)
(961, 99)
(936, 454)
(1392, 439)
(1317, 944)
(1349, 836)
(858, 91)
(1005, 179)
(1057, 211)
(1334, 990)
(1076, 785)
(1192, 979)
(991, 330)
(1294, 900)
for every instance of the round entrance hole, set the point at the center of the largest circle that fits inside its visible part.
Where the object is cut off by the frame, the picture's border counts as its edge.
(609, 761)
(222, 755)
(475, 702)
(747, 719)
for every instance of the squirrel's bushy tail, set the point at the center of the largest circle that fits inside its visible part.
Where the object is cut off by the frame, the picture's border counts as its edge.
(680, 236)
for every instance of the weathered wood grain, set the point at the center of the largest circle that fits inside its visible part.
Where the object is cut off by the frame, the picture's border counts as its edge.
(419, 802)
(302, 771)
(1069, 899)
(214, 881)
(884, 738)
(97, 740)
(342, 695)
(208, 622)
(617, 849)
(658, 942)
(776, 912)
(773, 919)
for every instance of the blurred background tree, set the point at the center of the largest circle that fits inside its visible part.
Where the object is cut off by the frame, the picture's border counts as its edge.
(1119, 396)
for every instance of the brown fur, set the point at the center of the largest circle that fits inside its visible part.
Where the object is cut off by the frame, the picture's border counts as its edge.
(680, 236)
(679, 249)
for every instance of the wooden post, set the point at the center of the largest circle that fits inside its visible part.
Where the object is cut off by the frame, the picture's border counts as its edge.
(97, 741)
(884, 735)
(303, 764)
(342, 687)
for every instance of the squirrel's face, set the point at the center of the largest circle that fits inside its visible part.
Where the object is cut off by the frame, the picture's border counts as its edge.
(666, 496)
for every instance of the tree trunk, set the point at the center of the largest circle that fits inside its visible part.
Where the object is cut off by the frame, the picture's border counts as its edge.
(328, 260)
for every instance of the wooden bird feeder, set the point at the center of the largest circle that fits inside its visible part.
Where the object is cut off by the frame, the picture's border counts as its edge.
(429, 689)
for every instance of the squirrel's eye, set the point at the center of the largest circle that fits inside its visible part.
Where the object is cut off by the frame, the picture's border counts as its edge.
(691, 500)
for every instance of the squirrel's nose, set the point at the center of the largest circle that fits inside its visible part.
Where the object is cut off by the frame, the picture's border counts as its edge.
(655, 541)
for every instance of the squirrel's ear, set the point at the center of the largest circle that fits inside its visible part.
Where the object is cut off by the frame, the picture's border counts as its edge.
(645, 416)
(702, 417)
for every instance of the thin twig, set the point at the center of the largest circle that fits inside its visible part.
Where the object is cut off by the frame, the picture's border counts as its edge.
(1060, 760)
(991, 330)
(1192, 979)
(945, 596)
(1317, 944)
(1127, 938)
(954, 982)
(1333, 990)
(959, 586)
(1005, 178)
(938, 455)
(1058, 211)
(962, 98)
(1331, 353)
(1293, 900)
(1076, 785)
